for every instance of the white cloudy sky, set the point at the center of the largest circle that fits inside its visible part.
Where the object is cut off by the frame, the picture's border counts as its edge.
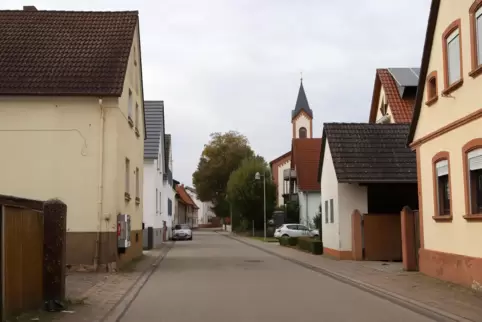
(224, 65)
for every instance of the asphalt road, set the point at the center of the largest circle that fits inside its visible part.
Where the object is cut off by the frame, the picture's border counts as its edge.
(217, 279)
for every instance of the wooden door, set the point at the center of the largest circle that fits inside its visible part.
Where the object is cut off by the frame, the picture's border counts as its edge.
(23, 259)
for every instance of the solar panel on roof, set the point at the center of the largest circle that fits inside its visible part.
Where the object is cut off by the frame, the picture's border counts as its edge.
(405, 77)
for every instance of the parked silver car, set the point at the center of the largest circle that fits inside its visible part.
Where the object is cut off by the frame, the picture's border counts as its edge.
(182, 232)
(294, 230)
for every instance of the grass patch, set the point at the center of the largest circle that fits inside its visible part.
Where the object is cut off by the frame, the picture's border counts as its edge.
(268, 239)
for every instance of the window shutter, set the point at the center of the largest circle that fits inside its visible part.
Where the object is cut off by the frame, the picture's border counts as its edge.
(326, 211)
(475, 159)
(442, 168)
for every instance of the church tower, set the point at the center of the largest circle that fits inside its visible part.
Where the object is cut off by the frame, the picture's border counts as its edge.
(302, 116)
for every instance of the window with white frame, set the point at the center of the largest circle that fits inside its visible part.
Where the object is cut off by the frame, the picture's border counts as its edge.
(453, 57)
(332, 212)
(127, 172)
(326, 211)
(474, 159)
(478, 35)
(443, 188)
(137, 183)
(129, 105)
(157, 200)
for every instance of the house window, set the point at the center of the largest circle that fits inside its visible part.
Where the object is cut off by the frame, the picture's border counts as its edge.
(432, 90)
(326, 211)
(160, 202)
(302, 133)
(137, 116)
(442, 185)
(157, 200)
(476, 35)
(169, 207)
(473, 176)
(452, 54)
(332, 212)
(474, 180)
(127, 183)
(129, 105)
(137, 183)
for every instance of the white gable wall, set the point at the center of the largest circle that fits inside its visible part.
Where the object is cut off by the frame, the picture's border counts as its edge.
(281, 182)
(351, 196)
(329, 188)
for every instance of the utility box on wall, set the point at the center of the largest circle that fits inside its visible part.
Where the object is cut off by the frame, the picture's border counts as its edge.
(123, 232)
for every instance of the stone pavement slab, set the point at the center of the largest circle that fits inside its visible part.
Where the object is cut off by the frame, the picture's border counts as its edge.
(95, 295)
(461, 302)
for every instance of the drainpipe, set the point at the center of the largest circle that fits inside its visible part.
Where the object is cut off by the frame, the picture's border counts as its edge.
(100, 185)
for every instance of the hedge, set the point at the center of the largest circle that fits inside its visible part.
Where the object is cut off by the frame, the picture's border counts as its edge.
(312, 245)
(288, 241)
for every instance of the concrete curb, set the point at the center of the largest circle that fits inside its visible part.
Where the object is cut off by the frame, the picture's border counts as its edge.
(423, 309)
(121, 307)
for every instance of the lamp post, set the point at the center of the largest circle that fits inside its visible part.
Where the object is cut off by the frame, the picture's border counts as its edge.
(258, 177)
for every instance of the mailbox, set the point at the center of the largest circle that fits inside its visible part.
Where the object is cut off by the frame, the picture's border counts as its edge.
(123, 231)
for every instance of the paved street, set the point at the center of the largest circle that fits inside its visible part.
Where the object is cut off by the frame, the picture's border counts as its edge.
(214, 278)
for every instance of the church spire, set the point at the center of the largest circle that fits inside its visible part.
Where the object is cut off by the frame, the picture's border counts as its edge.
(301, 102)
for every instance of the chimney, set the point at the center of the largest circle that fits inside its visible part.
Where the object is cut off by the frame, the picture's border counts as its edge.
(29, 8)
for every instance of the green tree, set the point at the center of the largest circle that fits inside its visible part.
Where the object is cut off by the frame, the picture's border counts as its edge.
(246, 193)
(220, 157)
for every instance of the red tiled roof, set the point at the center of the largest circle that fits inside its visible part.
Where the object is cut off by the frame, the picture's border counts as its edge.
(185, 197)
(402, 109)
(280, 157)
(65, 52)
(306, 157)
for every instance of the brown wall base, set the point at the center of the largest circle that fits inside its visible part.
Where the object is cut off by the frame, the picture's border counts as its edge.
(458, 269)
(338, 254)
(81, 248)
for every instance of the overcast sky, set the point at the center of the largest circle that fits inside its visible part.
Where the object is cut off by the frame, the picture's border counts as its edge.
(223, 65)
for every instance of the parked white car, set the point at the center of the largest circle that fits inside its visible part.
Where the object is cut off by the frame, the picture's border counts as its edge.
(294, 230)
(182, 232)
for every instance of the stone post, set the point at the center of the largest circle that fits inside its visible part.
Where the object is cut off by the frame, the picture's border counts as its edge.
(409, 253)
(55, 228)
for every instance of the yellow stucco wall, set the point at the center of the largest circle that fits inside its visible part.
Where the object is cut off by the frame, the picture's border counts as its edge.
(50, 149)
(302, 121)
(467, 98)
(459, 236)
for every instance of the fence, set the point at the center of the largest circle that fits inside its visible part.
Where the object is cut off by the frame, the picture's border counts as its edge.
(32, 261)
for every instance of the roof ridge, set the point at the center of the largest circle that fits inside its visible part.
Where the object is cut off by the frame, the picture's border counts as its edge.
(69, 11)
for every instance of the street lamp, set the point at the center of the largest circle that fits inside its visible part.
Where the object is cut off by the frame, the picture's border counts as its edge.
(258, 176)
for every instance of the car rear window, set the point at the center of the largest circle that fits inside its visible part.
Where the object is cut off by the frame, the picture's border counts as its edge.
(185, 227)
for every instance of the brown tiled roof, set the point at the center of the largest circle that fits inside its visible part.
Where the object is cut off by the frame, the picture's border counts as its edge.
(370, 153)
(65, 52)
(402, 109)
(306, 157)
(185, 197)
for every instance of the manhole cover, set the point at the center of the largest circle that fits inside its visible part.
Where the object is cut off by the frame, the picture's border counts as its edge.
(253, 261)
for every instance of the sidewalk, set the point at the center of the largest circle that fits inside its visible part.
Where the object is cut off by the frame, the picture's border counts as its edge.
(95, 295)
(388, 278)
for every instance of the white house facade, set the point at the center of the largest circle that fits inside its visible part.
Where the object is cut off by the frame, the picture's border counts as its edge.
(158, 189)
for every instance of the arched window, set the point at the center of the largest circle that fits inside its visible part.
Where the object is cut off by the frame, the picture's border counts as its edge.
(302, 133)
(442, 191)
(473, 177)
